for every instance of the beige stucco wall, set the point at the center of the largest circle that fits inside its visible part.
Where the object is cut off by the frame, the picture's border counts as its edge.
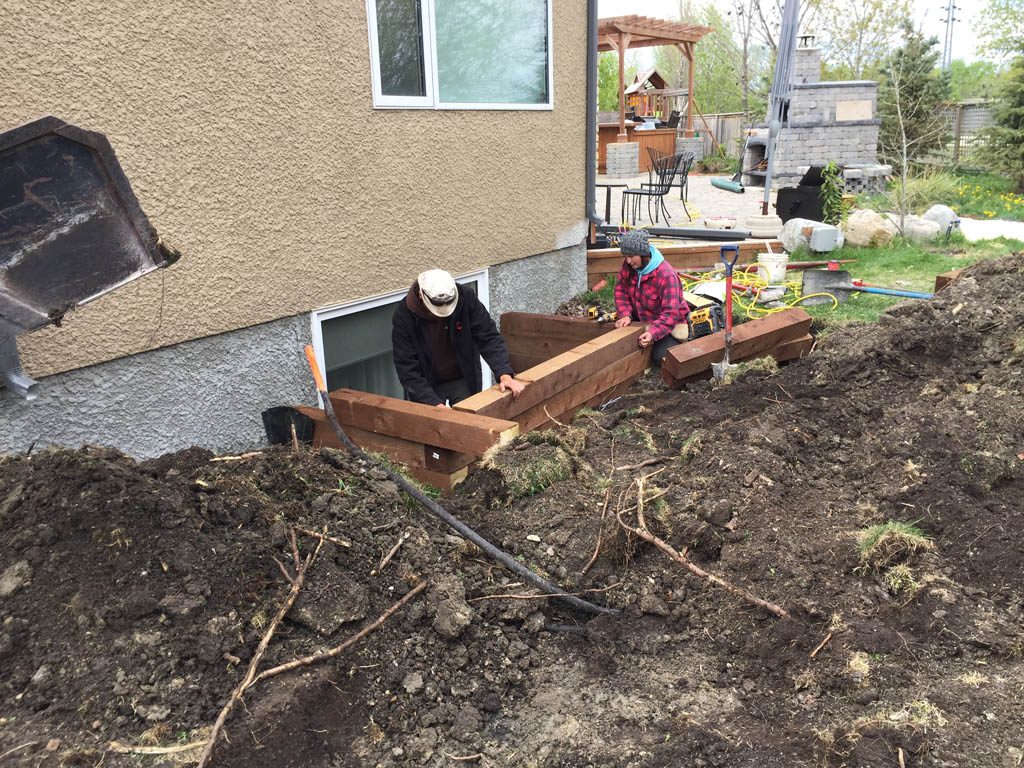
(248, 132)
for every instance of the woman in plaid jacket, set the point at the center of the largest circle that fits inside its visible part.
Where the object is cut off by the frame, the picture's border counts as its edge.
(648, 291)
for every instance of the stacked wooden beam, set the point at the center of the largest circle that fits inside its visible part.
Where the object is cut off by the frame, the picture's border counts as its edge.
(438, 445)
(603, 262)
(585, 375)
(534, 339)
(783, 335)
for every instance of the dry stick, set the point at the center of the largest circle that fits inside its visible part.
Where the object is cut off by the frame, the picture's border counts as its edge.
(600, 531)
(295, 439)
(646, 535)
(239, 457)
(541, 597)
(465, 758)
(128, 749)
(391, 553)
(437, 510)
(17, 748)
(821, 645)
(324, 537)
(301, 568)
(641, 465)
(899, 754)
(337, 650)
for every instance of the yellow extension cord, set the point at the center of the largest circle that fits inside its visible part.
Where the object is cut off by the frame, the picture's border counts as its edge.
(754, 285)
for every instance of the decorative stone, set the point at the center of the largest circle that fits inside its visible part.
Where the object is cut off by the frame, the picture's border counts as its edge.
(942, 215)
(867, 228)
(916, 228)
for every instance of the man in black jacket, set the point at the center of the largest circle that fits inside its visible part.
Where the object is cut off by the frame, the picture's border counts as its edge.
(438, 335)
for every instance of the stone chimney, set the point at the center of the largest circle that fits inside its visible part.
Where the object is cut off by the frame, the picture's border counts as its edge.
(807, 62)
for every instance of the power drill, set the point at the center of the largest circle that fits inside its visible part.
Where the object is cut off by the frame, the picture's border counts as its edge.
(607, 317)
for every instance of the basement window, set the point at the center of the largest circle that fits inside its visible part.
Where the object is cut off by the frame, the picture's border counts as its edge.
(460, 54)
(353, 341)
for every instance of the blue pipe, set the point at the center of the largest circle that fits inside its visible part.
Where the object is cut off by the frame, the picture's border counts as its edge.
(891, 292)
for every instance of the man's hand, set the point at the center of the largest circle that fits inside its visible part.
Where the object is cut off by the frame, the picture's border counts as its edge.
(645, 339)
(442, 405)
(507, 383)
(622, 322)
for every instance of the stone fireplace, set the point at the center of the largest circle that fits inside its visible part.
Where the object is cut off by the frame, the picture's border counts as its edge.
(828, 121)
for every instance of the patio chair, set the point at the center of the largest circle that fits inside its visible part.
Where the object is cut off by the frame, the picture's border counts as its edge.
(663, 170)
(682, 176)
(673, 119)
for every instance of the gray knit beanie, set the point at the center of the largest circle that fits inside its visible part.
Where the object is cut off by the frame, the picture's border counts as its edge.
(635, 243)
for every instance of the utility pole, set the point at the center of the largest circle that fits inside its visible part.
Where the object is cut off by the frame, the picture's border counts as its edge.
(947, 50)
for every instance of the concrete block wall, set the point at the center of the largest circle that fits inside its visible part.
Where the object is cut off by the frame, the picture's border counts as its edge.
(623, 160)
(818, 144)
(807, 65)
(694, 145)
(818, 100)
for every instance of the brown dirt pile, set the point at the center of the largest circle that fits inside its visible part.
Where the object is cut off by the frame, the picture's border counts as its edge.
(132, 595)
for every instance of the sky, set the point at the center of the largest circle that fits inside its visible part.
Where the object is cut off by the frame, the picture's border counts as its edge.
(930, 14)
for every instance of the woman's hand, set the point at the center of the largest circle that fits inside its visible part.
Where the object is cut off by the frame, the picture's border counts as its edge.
(622, 322)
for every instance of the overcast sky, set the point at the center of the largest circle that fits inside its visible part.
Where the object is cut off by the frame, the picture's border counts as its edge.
(931, 14)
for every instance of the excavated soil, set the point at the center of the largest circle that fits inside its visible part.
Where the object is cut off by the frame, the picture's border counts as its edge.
(132, 596)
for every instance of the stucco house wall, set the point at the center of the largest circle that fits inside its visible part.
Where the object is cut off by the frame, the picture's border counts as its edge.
(249, 135)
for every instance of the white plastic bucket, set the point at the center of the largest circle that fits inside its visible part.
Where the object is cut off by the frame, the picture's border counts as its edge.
(771, 267)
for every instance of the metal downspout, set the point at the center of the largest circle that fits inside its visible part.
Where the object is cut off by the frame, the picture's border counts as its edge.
(591, 159)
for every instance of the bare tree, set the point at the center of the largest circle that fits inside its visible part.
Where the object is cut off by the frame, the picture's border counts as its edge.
(912, 126)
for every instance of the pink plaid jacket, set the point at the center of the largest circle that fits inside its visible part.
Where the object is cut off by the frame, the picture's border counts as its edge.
(657, 299)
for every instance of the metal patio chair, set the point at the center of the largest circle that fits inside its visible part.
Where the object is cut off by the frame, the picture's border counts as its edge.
(682, 177)
(663, 171)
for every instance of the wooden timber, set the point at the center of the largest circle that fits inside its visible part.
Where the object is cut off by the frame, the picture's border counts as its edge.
(603, 262)
(561, 372)
(602, 386)
(533, 339)
(749, 340)
(941, 281)
(418, 423)
(784, 352)
(443, 473)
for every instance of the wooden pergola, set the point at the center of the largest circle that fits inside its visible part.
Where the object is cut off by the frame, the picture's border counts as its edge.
(620, 33)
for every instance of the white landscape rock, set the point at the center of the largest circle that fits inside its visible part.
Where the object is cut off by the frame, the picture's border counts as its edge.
(867, 228)
(796, 234)
(919, 229)
(942, 215)
(915, 228)
(793, 236)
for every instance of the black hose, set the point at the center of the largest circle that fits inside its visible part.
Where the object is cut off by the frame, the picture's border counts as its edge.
(453, 522)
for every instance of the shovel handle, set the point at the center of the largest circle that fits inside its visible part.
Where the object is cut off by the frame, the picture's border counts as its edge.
(729, 264)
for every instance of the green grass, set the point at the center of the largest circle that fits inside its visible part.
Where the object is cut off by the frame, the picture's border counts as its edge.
(904, 266)
(605, 297)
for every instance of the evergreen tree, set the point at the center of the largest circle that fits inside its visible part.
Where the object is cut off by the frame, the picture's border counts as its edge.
(910, 97)
(1005, 140)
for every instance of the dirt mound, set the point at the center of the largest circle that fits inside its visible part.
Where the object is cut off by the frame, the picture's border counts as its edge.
(872, 490)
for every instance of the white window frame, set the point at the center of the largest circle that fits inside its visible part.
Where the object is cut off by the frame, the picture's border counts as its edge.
(383, 101)
(318, 316)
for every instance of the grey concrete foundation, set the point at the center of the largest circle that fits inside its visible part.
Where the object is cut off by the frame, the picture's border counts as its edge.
(622, 160)
(538, 283)
(208, 393)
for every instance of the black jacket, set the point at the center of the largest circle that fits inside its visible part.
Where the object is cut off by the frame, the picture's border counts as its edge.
(473, 335)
